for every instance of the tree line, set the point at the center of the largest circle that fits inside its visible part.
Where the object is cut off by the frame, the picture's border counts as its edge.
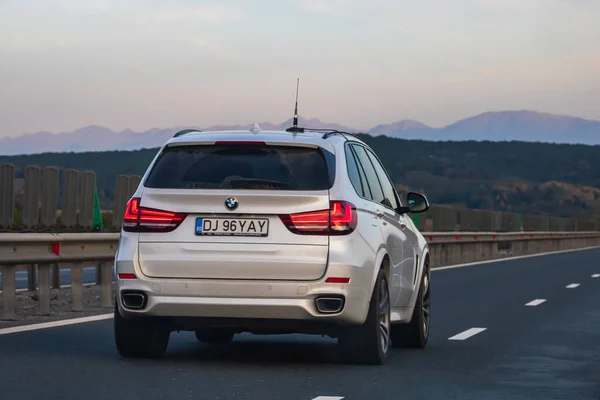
(542, 178)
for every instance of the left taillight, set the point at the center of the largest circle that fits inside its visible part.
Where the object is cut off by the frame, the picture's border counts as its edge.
(340, 219)
(143, 219)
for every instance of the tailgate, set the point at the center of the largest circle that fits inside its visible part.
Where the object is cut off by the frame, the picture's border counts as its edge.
(231, 198)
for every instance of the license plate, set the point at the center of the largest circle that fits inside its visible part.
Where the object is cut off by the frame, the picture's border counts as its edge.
(232, 227)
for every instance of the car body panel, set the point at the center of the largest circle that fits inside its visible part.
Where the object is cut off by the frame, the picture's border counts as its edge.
(278, 276)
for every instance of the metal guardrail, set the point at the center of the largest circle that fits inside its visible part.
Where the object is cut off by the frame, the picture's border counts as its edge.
(467, 237)
(46, 251)
(49, 248)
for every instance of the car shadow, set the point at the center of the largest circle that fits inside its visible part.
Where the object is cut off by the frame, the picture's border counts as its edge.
(264, 349)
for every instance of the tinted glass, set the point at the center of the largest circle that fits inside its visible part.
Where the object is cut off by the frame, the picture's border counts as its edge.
(376, 191)
(242, 167)
(388, 188)
(353, 172)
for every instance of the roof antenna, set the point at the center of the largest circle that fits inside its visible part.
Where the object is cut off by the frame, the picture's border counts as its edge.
(296, 109)
(295, 127)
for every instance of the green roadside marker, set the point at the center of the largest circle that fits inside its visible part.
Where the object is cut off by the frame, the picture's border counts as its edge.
(97, 224)
(521, 222)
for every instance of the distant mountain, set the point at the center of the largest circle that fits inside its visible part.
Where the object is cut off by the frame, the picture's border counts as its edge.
(527, 126)
(524, 125)
(395, 128)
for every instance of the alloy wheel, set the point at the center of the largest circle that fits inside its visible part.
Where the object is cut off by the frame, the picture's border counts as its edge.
(384, 317)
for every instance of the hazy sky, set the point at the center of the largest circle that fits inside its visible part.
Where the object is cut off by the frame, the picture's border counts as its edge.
(140, 64)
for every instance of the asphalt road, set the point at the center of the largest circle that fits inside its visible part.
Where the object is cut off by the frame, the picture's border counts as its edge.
(546, 351)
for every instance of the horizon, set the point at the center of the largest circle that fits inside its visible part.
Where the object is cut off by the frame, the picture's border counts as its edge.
(141, 64)
(301, 117)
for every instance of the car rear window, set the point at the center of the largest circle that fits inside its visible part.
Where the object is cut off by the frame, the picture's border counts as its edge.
(242, 166)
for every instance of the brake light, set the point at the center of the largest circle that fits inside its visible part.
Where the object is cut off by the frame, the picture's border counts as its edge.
(340, 219)
(238, 143)
(143, 219)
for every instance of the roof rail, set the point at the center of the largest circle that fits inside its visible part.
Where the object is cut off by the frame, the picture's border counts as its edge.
(334, 132)
(185, 131)
(302, 130)
(327, 133)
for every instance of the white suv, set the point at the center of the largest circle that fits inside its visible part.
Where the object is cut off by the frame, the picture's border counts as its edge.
(271, 232)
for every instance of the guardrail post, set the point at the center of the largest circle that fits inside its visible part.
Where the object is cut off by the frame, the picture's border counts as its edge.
(106, 284)
(31, 199)
(120, 200)
(69, 204)
(134, 182)
(7, 195)
(56, 276)
(77, 286)
(86, 212)
(98, 274)
(44, 272)
(49, 196)
(8, 292)
(31, 278)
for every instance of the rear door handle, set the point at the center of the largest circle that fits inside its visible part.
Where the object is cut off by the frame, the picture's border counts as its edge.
(402, 225)
(379, 214)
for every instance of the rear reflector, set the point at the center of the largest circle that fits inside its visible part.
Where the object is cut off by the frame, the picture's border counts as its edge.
(337, 280)
(127, 276)
(143, 219)
(340, 219)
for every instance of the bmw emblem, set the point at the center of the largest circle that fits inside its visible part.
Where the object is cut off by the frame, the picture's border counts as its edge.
(231, 203)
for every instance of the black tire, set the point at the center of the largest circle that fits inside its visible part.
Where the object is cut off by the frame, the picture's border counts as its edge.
(214, 336)
(369, 343)
(415, 334)
(140, 337)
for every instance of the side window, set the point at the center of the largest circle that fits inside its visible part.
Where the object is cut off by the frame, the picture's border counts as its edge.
(363, 177)
(353, 172)
(388, 188)
(376, 190)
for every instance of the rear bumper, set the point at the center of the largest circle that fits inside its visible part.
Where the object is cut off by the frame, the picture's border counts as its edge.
(237, 299)
(282, 302)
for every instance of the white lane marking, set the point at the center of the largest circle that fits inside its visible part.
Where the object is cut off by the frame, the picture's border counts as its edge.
(596, 276)
(572, 286)
(328, 398)
(535, 302)
(511, 258)
(467, 334)
(54, 324)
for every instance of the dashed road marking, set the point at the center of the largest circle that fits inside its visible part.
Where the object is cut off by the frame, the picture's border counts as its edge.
(596, 276)
(572, 286)
(535, 302)
(467, 334)
(54, 324)
(328, 398)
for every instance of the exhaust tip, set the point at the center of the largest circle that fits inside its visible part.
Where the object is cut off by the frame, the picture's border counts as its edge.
(329, 305)
(134, 300)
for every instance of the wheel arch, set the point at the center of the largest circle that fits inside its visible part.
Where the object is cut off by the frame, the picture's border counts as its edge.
(382, 261)
(425, 260)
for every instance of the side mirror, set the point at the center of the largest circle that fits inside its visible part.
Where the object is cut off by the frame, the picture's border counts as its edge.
(416, 203)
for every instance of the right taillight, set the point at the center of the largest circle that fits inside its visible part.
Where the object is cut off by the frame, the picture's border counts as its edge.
(143, 219)
(340, 219)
